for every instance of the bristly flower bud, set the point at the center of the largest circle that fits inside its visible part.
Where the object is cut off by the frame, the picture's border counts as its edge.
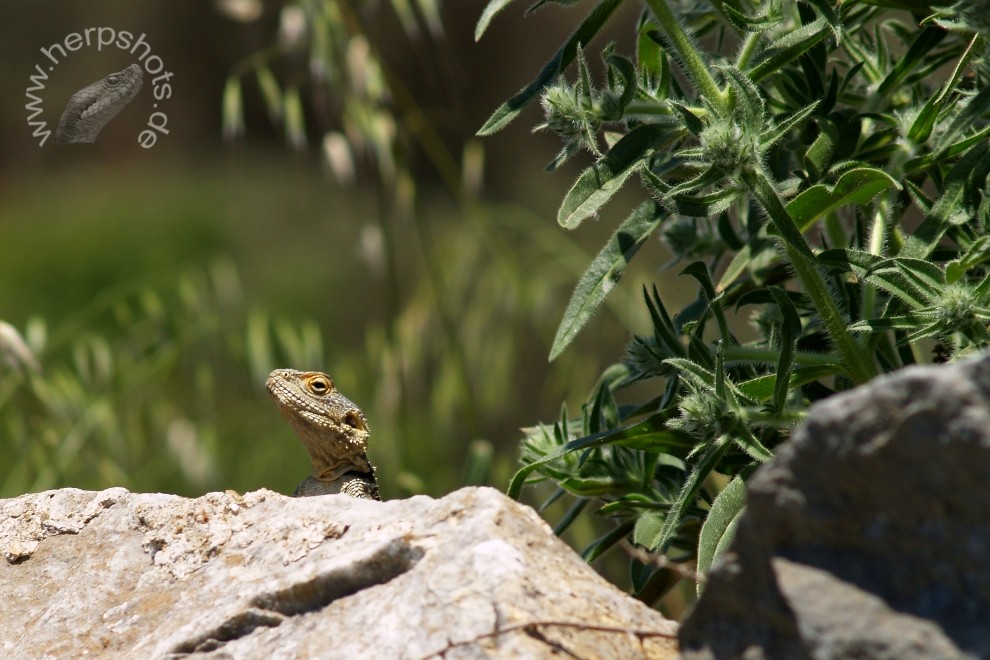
(562, 110)
(730, 146)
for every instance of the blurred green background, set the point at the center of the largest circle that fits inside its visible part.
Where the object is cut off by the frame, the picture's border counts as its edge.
(154, 289)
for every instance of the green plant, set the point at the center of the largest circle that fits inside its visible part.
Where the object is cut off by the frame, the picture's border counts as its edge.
(821, 165)
(129, 390)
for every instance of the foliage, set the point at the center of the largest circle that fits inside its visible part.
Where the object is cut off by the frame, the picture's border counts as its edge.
(823, 166)
(75, 402)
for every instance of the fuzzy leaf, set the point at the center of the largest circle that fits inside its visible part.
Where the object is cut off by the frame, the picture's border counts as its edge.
(924, 42)
(719, 525)
(790, 329)
(648, 526)
(560, 61)
(672, 522)
(857, 186)
(598, 183)
(744, 23)
(788, 48)
(977, 254)
(770, 137)
(493, 8)
(650, 435)
(605, 271)
(819, 154)
(950, 209)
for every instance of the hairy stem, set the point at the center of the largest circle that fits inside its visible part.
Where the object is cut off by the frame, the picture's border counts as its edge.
(857, 365)
(689, 56)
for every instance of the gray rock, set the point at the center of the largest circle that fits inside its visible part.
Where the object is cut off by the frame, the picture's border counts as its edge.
(868, 535)
(116, 574)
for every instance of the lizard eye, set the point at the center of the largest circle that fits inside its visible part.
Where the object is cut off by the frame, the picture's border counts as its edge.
(354, 420)
(320, 385)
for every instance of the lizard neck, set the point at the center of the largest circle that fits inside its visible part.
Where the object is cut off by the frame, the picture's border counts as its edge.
(328, 461)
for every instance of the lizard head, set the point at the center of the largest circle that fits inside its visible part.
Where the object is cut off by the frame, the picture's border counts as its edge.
(332, 428)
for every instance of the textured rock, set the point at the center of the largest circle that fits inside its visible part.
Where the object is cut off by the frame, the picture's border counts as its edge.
(868, 535)
(116, 574)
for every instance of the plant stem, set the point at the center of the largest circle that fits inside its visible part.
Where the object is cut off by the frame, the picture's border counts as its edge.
(857, 365)
(747, 50)
(750, 354)
(694, 64)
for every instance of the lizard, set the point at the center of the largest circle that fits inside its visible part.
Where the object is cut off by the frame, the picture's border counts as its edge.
(333, 430)
(89, 109)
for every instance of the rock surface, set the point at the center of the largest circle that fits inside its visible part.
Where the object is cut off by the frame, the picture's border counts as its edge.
(868, 535)
(116, 574)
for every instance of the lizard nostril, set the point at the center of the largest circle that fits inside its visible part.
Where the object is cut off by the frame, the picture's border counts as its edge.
(354, 420)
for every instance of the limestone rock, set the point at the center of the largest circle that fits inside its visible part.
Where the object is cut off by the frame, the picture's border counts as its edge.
(116, 574)
(868, 535)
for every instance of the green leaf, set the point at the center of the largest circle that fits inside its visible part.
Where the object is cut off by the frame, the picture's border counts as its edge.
(598, 183)
(768, 138)
(788, 48)
(858, 262)
(914, 281)
(790, 329)
(827, 9)
(903, 322)
(605, 271)
(927, 276)
(924, 42)
(749, 101)
(950, 209)
(664, 330)
(964, 121)
(719, 525)
(699, 377)
(606, 541)
(819, 154)
(649, 55)
(560, 61)
(572, 513)
(627, 70)
(672, 522)
(762, 388)
(857, 186)
(923, 124)
(744, 23)
(699, 271)
(978, 253)
(648, 526)
(649, 435)
(493, 8)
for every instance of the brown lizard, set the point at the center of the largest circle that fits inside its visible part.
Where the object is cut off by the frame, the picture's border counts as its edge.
(333, 430)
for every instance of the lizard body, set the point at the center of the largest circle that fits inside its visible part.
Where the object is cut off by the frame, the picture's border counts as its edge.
(332, 429)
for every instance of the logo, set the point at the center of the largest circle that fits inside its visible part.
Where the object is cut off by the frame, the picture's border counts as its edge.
(93, 106)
